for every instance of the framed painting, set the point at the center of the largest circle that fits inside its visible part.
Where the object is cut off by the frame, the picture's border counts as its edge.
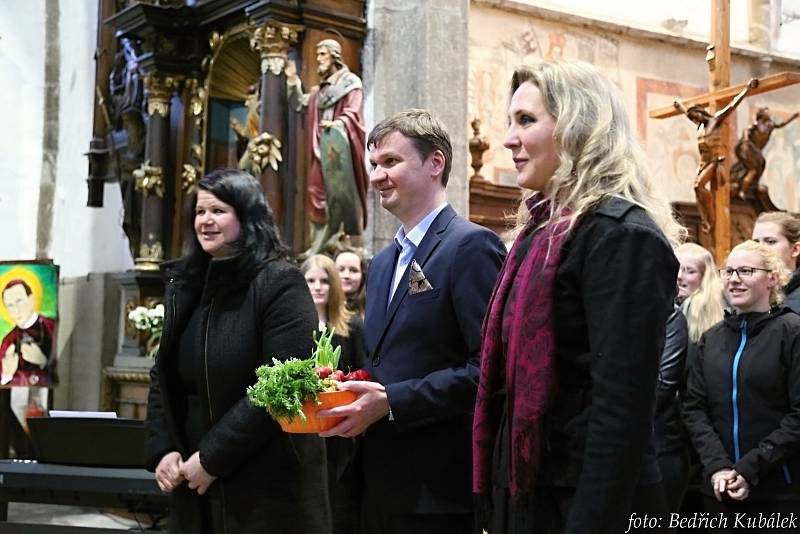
(28, 323)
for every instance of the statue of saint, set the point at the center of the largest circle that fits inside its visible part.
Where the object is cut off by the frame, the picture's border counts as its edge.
(336, 199)
(747, 171)
(707, 131)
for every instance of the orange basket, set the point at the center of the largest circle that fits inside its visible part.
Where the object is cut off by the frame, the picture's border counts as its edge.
(314, 424)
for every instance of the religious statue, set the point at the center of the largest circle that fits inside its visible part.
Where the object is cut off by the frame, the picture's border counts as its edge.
(336, 199)
(747, 171)
(707, 142)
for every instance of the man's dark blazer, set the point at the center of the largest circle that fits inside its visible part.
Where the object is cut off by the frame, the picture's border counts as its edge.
(425, 349)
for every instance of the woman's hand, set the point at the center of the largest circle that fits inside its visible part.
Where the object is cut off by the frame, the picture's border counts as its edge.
(198, 478)
(720, 481)
(168, 472)
(739, 489)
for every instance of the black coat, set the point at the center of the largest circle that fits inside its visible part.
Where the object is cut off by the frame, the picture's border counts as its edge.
(268, 480)
(614, 291)
(766, 418)
(792, 291)
(669, 430)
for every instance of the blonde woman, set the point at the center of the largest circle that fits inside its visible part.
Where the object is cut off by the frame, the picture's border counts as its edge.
(780, 231)
(563, 423)
(699, 289)
(701, 306)
(742, 403)
(322, 277)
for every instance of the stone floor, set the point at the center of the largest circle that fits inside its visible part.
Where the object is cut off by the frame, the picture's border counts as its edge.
(54, 514)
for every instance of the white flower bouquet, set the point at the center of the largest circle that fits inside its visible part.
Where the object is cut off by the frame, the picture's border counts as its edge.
(151, 321)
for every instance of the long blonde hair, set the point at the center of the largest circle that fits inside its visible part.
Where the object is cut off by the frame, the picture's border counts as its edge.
(338, 314)
(771, 261)
(599, 154)
(705, 307)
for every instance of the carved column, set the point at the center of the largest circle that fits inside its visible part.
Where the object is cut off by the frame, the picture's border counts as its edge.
(192, 169)
(273, 41)
(150, 179)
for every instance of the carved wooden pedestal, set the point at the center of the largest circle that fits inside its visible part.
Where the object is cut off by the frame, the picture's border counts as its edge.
(490, 204)
(127, 381)
(125, 386)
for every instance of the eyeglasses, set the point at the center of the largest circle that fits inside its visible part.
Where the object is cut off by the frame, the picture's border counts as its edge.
(741, 272)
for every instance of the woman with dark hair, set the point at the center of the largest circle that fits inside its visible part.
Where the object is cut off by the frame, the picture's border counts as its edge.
(352, 264)
(232, 303)
(563, 431)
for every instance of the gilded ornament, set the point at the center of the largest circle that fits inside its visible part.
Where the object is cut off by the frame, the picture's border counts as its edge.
(215, 40)
(197, 96)
(188, 177)
(273, 43)
(196, 151)
(149, 180)
(264, 149)
(150, 255)
(159, 91)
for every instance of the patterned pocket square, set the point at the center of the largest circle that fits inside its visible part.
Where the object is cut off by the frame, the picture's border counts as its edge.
(417, 283)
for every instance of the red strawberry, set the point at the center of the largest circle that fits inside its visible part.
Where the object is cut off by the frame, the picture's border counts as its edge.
(323, 372)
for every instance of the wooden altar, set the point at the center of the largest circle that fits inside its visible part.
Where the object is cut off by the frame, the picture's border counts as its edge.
(173, 77)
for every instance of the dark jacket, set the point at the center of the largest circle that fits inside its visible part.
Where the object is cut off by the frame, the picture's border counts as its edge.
(424, 348)
(267, 479)
(669, 430)
(762, 413)
(614, 291)
(792, 291)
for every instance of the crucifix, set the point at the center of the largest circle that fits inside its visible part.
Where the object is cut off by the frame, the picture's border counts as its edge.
(710, 111)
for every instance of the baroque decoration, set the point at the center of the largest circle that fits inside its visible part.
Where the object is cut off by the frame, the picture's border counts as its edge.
(149, 180)
(188, 177)
(159, 91)
(264, 150)
(150, 255)
(273, 43)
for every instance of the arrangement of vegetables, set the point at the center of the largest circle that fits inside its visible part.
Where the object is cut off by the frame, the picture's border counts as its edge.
(283, 387)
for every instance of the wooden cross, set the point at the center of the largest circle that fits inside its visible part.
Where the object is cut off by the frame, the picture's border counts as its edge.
(720, 94)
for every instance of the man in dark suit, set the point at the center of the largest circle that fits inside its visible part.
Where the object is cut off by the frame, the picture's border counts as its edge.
(426, 297)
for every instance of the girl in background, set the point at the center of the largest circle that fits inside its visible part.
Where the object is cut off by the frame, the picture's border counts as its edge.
(352, 265)
(699, 291)
(780, 231)
(700, 297)
(323, 281)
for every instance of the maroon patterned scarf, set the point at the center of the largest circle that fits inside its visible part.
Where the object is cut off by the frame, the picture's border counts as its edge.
(528, 357)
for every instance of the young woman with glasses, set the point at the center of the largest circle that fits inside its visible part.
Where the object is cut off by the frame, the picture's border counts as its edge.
(742, 404)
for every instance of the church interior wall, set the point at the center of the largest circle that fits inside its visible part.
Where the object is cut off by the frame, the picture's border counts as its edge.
(651, 72)
(84, 242)
(22, 81)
